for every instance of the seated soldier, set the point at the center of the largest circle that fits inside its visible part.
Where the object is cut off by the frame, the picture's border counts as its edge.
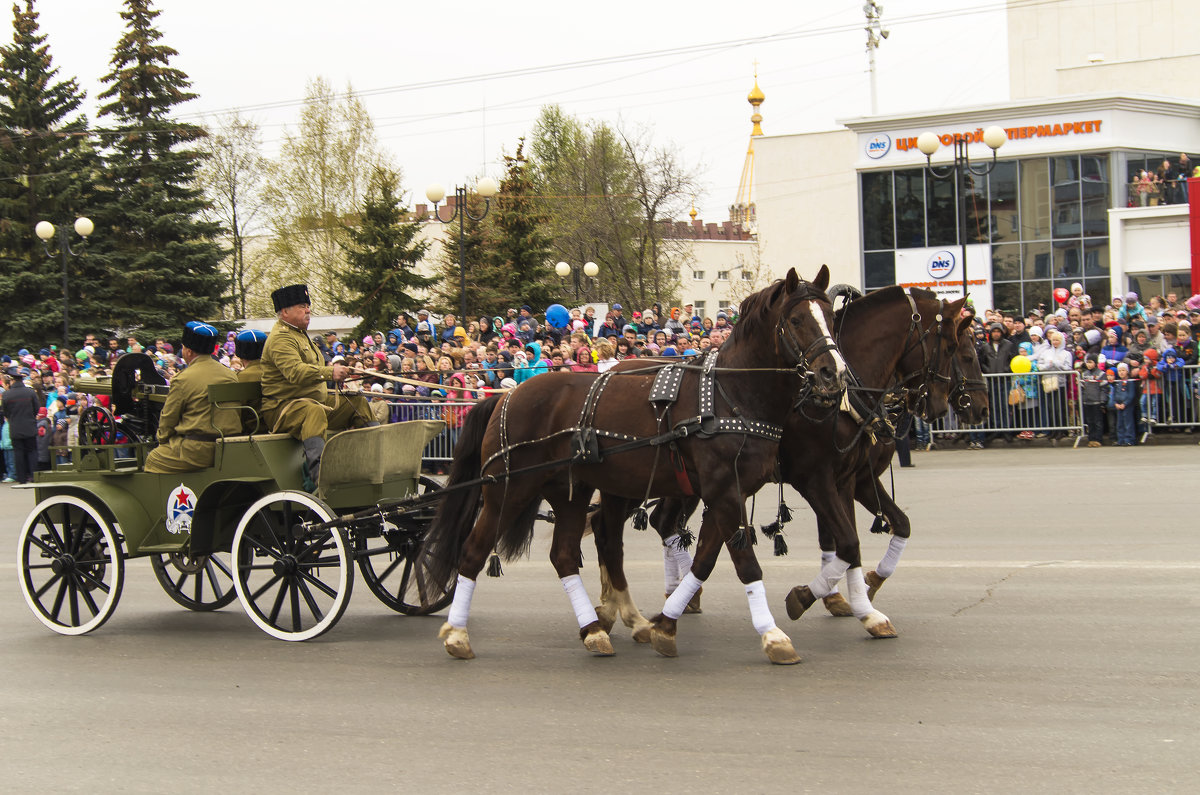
(188, 425)
(295, 399)
(248, 346)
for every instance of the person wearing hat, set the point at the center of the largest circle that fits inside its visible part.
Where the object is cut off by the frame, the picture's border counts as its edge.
(189, 426)
(19, 408)
(295, 399)
(248, 346)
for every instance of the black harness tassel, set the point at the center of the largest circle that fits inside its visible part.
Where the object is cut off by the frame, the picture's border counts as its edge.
(686, 539)
(640, 519)
(771, 529)
(880, 525)
(780, 545)
(493, 566)
(785, 513)
(739, 540)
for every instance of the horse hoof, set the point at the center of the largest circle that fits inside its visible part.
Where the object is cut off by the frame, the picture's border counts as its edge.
(607, 616)
(837, 605)
(879, 626)
(663, 643)
(641, 632)
(874, 583)
(456, 641)
(693, 605)
(778, 647)
(798, 600)
(599, 643)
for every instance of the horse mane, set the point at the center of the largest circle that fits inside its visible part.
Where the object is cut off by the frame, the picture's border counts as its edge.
(755, 309)
(868, 301)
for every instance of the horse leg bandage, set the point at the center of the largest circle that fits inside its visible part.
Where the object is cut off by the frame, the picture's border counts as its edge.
(887, 566)
(680, 597)
(831, 572)
(676, 563)
(857, 588)
(826, 559)
(760, 614)
(460, 608)
(584, 612)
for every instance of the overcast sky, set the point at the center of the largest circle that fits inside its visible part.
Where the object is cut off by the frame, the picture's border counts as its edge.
(812, 66)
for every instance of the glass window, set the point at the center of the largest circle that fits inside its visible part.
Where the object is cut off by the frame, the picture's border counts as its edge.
(697, 276)
(1006, 262)
(975, 188)
(1094, 185)
(1035, 260)
(698, 308)
(1003, 202)
(722, 276)
(1095, 257)
(1146, 285)
(942, 215)
(1036, 295)
(910, 208)
(1068, 259)
(1180, 284)
(1067, 211)
(880, 269)
(878, 220)
(1007, 297)
(1035, 199)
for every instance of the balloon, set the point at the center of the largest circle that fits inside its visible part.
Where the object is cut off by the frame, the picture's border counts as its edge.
(1021, 364)
(1061, 295)
(557, 316)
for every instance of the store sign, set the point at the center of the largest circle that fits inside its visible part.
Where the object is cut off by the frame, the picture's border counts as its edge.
(940, 270)
(878, 146)
(941, 265)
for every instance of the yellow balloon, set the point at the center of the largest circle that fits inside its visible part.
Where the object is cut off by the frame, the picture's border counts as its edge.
(1021, 364)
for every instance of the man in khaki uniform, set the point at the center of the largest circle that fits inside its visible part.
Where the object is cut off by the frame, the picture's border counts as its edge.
(248, 346)
(188, 426)
(295, 399)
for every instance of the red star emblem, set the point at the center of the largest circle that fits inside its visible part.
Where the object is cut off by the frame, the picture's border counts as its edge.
(182, 498)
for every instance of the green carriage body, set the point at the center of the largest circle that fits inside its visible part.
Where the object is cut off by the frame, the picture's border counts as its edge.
(193, 515)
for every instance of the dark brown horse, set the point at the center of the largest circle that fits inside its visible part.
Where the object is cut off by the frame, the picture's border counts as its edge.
(899, 347)
(561, 436)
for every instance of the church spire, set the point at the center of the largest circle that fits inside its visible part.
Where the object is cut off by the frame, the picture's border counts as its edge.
(743, 210)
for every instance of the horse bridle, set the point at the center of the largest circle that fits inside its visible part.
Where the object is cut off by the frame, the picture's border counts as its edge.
(959, 397)
(803, 356)
(916, 398)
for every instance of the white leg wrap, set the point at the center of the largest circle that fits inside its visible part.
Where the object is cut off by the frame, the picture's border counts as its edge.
(584, 612)
(887, 566)
(460, 608)
(683, 559)
(857, 588)
(831, 572)
(760, 614)
(826, 558)
(680, 597)
(671, 572)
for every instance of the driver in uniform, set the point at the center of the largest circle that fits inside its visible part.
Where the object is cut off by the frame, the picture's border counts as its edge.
(189, 426)
(295, 398)
(248, 346)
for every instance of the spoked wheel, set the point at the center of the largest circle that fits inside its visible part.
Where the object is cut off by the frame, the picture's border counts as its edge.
(389, 561)
(294, 583)
(203, 582)
(70, 564)
(97, 426)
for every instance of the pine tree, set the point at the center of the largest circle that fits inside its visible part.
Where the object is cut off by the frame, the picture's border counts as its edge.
(522, 249)
(486, 286)
(46, 163)
(381, 258)
(163, 259)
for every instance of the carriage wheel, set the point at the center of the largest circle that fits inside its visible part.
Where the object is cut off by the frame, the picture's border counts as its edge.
(389, 562)
(97, 426)
(294, 584)
(201, 583)
(71, 565)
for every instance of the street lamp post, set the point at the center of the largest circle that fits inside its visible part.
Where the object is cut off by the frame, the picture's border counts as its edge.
(960, 170)
(485, 187)
(45, 232)
(590, 269)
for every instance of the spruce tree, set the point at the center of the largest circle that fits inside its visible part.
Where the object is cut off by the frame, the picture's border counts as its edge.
(522, 249)
(46, 164)
(162, 258)
(487, 288)
(381, 258)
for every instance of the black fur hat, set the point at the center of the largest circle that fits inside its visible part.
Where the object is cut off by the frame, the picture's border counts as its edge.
(200, 337)
(291, 295)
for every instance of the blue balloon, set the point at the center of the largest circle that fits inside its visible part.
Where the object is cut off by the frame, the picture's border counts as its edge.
(557, 316)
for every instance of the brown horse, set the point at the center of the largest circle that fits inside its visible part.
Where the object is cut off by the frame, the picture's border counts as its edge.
(561, 436)
(899, 346)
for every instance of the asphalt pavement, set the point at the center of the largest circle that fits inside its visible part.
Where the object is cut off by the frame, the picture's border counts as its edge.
(1046, 605)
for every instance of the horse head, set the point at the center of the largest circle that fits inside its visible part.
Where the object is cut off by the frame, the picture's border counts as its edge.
(928, 358)
(804, 340)
(968, 393)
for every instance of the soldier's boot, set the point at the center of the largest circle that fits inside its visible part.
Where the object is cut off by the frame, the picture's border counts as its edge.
(313, 447)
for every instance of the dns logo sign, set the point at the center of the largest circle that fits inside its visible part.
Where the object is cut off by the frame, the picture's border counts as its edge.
(879, 146)
(941, 264)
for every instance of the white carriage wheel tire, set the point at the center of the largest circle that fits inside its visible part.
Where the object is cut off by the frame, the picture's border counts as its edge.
(113, 573)
(345, 579)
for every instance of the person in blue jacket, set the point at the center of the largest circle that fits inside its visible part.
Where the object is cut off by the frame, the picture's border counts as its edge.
(535, 366)
(1123, 399)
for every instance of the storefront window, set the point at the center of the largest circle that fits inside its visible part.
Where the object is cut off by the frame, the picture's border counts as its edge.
(1006, 262)
(1066, 212)
(1035, 260)
(910, 208)
(1036, 295)
(880, 269)
(1068, 259)
(1003, 198)
(1094, 186)
(977, 209)
(878, 218)
(1035, 199)
(1007, 297)
(943, 218)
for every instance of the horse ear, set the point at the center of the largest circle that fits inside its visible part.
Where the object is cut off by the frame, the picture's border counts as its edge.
(791, 281)
(822, 280)
(963, 324)
(953, 309)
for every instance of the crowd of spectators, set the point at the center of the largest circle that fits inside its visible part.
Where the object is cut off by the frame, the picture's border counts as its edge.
(1166, 184)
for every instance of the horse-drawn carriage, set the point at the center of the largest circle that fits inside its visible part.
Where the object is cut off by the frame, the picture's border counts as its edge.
(241, 529)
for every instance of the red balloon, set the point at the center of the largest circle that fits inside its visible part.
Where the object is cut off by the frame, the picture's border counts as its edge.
(1061, 295)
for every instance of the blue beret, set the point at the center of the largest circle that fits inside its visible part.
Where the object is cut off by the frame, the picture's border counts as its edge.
(248, 344)
(200, 337)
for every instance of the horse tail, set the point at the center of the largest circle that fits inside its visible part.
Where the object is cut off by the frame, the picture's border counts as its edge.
(443, 545)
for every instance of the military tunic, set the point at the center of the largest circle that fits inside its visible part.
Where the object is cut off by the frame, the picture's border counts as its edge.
(188, 424)
(295, 399)
(252, 373)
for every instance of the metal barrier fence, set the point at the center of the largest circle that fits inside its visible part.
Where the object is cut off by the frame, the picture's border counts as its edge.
(440, 449)
(1166, 402)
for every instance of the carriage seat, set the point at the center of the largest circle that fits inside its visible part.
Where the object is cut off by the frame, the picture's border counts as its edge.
(237, 396)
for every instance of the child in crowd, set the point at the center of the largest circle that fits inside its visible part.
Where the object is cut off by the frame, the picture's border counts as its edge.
(1122, 400)
(1093, 390)
(1152, 387)
(1174, 386)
